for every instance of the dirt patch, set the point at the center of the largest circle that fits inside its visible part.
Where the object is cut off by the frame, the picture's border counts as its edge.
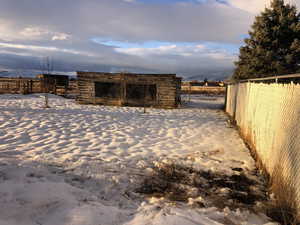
(177, 182)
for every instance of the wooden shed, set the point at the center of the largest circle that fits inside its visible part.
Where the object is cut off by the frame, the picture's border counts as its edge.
(128, 89)
(54, 83)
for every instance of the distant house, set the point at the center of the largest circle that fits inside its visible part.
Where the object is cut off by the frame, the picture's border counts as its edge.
(54, 83)
(128, 89)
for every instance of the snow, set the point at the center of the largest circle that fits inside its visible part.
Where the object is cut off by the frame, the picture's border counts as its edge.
(78, 164)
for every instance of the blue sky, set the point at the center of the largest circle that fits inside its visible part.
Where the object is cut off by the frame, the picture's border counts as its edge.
(230, 48)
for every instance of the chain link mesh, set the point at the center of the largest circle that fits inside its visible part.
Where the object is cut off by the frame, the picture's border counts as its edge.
(268, 116)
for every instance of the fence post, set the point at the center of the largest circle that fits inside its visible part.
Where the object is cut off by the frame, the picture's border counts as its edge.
(226, 96)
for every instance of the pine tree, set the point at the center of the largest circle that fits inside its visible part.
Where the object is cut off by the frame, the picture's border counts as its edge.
(273, 47)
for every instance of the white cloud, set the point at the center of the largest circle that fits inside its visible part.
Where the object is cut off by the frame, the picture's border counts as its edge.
(61, 37)
(176, 57)
(129, 1)
(12, 31)
(256, 6)
(172, 49)
(7, 32)
(42, 48)
(34, 32)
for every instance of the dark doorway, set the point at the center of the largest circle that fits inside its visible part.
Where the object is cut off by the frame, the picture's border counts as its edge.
(141, 92)
(107, 90)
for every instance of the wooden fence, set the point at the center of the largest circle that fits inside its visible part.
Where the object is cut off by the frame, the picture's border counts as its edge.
(20, 86)
(35, 85)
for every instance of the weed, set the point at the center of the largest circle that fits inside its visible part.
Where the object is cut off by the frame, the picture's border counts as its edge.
(177, 182)
(283, 208)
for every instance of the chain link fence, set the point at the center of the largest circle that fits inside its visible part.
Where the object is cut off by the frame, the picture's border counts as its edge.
(268, 116)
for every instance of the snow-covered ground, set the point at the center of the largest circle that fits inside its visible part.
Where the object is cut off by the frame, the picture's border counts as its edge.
(79, 164)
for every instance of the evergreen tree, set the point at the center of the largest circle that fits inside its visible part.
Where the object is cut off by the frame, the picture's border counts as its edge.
(273, 47)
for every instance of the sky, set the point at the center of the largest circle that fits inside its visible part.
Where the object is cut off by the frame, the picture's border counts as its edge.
(186, 37)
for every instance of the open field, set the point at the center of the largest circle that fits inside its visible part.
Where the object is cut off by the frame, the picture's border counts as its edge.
(81, 164)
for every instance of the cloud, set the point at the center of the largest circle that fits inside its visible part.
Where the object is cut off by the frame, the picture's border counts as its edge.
(33, 32)
(61, 37)
(256, 6)
(130, 1)
(12, 31)
(41, 49)
(119, 20)
(192, 50)
(184, 60)
(190, 36)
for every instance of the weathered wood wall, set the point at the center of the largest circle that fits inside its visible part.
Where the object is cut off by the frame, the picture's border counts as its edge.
(20, 86)
(53, 83)
(17, 85)
(167, 89)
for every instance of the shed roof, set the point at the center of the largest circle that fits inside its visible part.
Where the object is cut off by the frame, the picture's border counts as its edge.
(59, 76)
(87, 74)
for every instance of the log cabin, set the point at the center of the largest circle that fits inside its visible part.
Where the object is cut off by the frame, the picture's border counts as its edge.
(129, 89)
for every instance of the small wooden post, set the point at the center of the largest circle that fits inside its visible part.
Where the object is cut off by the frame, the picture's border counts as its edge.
(46, 93)
(123, 89)
(55, 86)
(190, 90)
(18, 86)
(31, 86)
(145, 98)
(226, 96)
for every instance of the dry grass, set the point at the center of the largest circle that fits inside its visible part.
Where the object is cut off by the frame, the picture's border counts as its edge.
(283, 208)
(176, 182)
